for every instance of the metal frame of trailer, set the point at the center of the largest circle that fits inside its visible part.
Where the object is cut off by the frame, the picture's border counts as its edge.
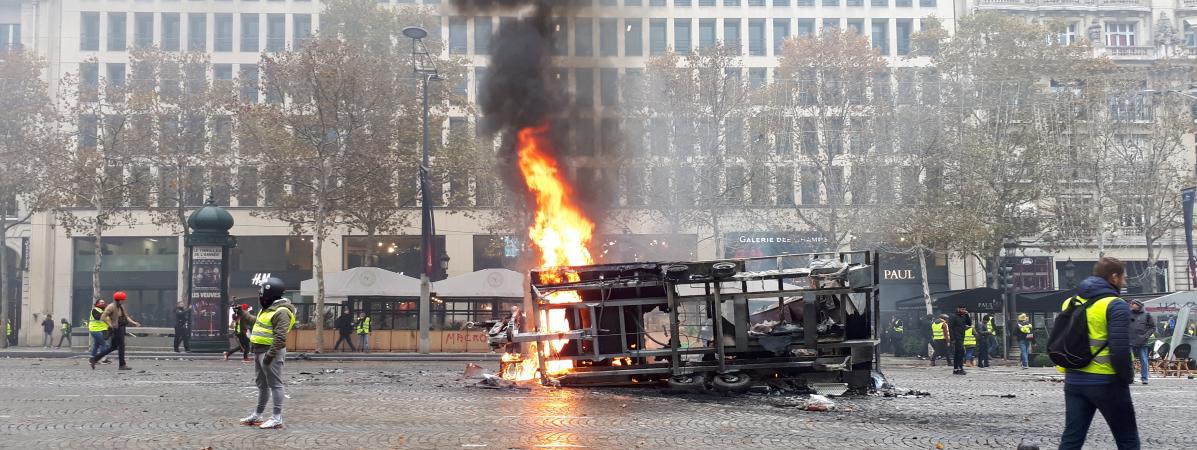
(610, 344)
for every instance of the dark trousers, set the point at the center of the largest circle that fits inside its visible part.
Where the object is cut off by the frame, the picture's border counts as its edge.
(65, 337)
(242, 345)
(117, 344)
(958, 356)
(1114, 402)
(983, 353)
(939, 349)
(182, 335)
(346, 337)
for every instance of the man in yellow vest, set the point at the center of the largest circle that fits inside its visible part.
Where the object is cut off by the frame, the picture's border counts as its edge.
(268, 341)
(970, 345)
(98, 329)
(940, 338)
(1103, 385)
(363, 332)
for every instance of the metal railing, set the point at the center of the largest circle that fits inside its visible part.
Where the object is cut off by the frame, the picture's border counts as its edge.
(1130, 51)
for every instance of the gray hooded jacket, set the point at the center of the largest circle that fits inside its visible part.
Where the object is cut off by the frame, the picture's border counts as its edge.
(1142, 325)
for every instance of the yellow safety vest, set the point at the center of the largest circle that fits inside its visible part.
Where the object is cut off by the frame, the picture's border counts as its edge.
(66, 328)
(95, 324)
(1098, 334)
(969, 339)
(898, 329)
(364, 327)
(937, 331)
(263, 331)
(1025, 329)
(8, 329)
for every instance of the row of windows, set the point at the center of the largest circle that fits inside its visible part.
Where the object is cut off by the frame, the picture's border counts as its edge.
(731, 32)
(194, 78)
(166, 31)
(635, 186)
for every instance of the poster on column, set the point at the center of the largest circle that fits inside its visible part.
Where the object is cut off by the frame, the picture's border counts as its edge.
(206, 280)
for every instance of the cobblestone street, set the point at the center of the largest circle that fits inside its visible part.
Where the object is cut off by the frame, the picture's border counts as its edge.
(60, 403)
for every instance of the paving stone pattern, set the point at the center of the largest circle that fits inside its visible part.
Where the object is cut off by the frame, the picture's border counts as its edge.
(61, 403)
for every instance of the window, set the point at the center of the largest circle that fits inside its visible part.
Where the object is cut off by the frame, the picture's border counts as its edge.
(903, 28)
(247, 186)
(756, 37)
(682, 3)
(831, 23)
(706, 34)
(1190, 36)
(757, 76)
(610, 137)
(479, 82)
(608, 37)
(222, 41)
(633, 38)
(560, 35)
(706, 2)
(143, 30)
(927, 3)
(902, 3)
(457, 36)
(222, 72)
(1066, 35)
(584, 141)
(583, 37)
(881, 36)
(806, 27)
(656, 36)
(482, 32)
(89, 81)
(197, 32)
(1120, 34)
(756, 2)
(249, 82)
(249, 33)
(831, 3)
(276, 32)
(879, 3)
(854, 3)
(301, 29)
(585, 87)
(804, 2)
(781, 32)
(89, 31)
(681, 36)
(609, 86)
(731, 35)
(116, 31)
(10, 36)
(784, 186)
(170, 32)
(810, 186)
(781, 2)
(731, 2)
(856, 26)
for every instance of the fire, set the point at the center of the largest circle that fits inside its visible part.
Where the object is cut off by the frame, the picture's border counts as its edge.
(561, 233)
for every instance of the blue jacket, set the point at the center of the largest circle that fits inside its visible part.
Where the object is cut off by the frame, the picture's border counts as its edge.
(1118, 324)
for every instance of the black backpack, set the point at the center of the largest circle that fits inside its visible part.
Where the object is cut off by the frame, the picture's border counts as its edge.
(1068, 345)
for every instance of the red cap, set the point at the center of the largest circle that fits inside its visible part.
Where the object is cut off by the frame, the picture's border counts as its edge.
(244, 307)
(119, 296)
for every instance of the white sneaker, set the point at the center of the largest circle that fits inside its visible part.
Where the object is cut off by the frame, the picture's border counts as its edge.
(252, 420)
(274, 422)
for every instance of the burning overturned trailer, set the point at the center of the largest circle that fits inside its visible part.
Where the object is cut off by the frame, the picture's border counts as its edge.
(723, 324)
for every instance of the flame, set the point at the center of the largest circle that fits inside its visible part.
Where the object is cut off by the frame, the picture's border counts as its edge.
(561, 233)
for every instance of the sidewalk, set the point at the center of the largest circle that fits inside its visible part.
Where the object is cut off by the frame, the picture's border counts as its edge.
(40, 352)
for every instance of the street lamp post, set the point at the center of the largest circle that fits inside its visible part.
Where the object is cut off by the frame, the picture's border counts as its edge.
(423, 66)
(1070, 274)
(1006, 274)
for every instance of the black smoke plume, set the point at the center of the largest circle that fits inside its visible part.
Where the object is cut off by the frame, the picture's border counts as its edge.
(473, 6)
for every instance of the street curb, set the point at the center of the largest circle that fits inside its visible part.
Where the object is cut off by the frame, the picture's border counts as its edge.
(291, 356)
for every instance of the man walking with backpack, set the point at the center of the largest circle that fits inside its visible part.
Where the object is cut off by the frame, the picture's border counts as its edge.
(1090, 342)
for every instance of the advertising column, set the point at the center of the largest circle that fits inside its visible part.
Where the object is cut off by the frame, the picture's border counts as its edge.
(207, 278)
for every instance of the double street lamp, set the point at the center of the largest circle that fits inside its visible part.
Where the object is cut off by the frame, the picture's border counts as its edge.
(425, 67)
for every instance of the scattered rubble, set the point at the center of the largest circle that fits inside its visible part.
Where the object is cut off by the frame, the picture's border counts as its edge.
(473, 371)
(328, 371)
(493, 382)
(998, 395)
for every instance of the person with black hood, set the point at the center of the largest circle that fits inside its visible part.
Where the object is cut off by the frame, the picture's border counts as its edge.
(957, 326)
(1103, 385)
(1142, 326)
(182, 327)
(268, 341)
(344, 325)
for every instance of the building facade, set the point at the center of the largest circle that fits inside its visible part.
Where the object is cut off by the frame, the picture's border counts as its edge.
(604, 43)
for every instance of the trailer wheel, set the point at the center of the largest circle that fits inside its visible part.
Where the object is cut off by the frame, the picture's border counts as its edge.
(732, 382)
(693, 381)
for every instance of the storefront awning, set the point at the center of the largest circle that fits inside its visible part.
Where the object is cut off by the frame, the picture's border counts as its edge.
(983, 300)
(364, 281)
(494, 283)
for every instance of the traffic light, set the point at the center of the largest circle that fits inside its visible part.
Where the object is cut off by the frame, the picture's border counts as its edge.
(1005, 277)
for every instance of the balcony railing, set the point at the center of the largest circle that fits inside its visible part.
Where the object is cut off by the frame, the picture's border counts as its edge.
(1188, 3)
(1123, 52)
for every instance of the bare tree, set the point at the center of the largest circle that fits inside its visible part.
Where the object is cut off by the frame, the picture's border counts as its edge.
(830, 90)
(701, 102)
(27, 118)
(96, 191)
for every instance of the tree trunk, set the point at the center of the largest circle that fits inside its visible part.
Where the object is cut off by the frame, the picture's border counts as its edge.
(923, 273)
(185, 263)
(368, 258)
(318, 268)
(98, 242)
(1149, 279)
(4, 320)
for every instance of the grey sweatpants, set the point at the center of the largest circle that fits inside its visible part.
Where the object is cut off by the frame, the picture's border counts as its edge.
(270, 381)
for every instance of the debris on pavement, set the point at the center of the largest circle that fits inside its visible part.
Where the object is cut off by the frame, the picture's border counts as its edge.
(328, 371)
(998, 395)
(473, 371)
(897, 392)
(493, 382)
(819, 403)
